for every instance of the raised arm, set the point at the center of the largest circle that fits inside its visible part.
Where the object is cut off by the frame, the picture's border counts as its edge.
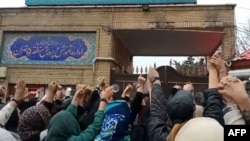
(93, 129)
(234, 88)
(158, 130)
(213, 104)
(20, 94)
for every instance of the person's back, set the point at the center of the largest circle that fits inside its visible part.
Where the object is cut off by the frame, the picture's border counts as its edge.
(58, 129)
(116, 122)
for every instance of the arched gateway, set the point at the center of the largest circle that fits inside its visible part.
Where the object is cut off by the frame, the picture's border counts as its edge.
(72, 44)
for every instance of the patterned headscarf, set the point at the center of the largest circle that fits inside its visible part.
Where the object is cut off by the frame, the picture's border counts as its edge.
(32, 121)
(116, 122)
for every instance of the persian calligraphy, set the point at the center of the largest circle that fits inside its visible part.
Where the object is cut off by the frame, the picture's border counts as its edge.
(44, 48)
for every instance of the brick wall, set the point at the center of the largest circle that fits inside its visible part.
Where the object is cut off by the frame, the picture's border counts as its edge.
(121, 54)
(59, 19)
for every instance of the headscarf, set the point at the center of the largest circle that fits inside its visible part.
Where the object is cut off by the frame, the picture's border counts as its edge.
(201, 129)
(32, 121)
(116, 122)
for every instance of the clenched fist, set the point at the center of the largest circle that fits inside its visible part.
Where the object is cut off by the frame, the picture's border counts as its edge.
(82, 95)
(53, 87)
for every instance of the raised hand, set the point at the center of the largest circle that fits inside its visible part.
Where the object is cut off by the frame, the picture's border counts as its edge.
(80, 86)
(141, 81)
(232, 88)
(127, 91)
(210, 67)
(53, 87)
(152, 73)
(107, 93)
(21, 92)
(101, 82)
(82, 95)
(141, 84)
(217, 61)
(105, 96)
(188, 87)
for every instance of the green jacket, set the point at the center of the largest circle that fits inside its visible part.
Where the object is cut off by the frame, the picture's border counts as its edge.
(64, 126)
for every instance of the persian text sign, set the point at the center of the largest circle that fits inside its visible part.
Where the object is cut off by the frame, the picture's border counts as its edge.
(105, 2)
(49, 48)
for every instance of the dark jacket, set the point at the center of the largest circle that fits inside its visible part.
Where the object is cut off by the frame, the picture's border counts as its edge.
(213, 105)
(89, 110)
(139, 130)
(159, 126)
(26, 104)
(246, 116)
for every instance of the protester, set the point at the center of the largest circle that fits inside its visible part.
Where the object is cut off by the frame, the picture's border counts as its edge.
(64, 125)
(36, 118)
(141, 113)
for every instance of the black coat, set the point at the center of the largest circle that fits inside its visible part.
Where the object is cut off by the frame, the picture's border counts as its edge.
(159, 126)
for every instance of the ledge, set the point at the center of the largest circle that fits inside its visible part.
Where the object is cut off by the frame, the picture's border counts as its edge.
(110, 7)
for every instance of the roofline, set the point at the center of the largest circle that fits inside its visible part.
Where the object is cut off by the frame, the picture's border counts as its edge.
(122, 6)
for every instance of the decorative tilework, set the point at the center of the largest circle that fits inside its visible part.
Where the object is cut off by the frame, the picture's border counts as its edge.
(48, 48)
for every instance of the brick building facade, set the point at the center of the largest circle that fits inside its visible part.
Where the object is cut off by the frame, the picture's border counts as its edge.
(101, 21)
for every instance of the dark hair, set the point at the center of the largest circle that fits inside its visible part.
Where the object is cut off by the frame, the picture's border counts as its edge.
(199, 98)
(174, 91)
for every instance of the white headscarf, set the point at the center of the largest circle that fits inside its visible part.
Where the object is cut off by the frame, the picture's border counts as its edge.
(201, 129)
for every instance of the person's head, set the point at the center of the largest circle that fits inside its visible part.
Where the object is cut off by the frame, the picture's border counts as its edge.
(199, 98)
(201, 129)
(181, 107)
(32, 121)
(199, 101)
(116, 121)
(175, 89)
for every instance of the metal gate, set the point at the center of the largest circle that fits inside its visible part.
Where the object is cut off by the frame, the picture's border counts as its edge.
(168, 75)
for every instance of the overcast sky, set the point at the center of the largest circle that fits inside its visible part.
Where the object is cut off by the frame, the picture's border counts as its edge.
(242, 13)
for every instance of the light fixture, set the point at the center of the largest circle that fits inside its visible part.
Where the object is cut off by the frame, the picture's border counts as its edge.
(145, 8)
(69, 89)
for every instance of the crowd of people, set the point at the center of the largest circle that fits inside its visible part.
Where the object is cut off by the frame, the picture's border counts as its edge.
(141, 113)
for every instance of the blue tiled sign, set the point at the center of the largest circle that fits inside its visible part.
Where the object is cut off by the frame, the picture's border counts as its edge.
(49, 48)
(105, 2)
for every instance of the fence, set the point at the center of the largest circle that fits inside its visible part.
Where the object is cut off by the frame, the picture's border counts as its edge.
(200, 70)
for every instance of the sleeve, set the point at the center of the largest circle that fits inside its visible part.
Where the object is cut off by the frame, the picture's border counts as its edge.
(246, 116)
(213, 105)
(94, 97)
(91, 131)
(136, 105)
(233, 116)
(158, 129)
(5, 113)
(72, 109)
